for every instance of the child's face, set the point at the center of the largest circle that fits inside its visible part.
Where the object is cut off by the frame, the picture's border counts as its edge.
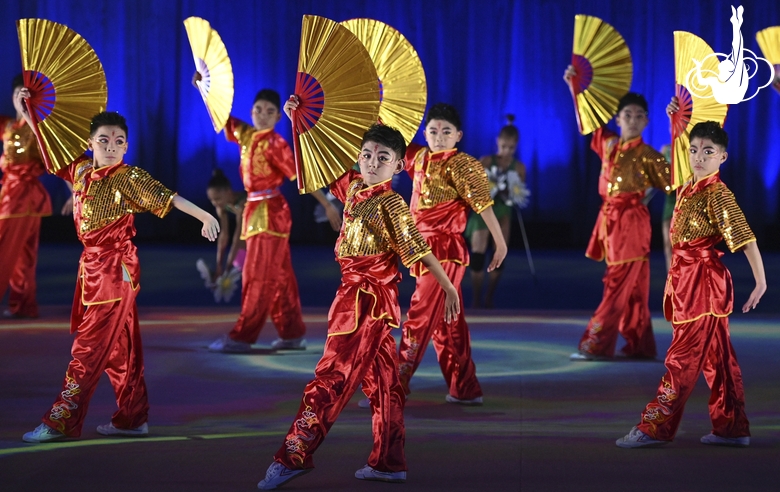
(441, 135)
(378, 163)
(108, 145)
(506, 146)
(706, 157)
(632, 121)
(219, 197)
(265, 115)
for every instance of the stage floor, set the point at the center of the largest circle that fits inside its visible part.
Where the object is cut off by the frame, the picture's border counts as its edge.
(548, 424)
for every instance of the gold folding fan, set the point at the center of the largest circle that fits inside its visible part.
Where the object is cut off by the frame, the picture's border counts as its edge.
(403, 91)
(696, 102)
(67, 88)
(604, 71)
(213, 65)
(338, 89)
(769, 41)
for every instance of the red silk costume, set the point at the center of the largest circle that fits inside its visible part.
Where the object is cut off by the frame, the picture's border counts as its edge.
(446, 185)
(268, 283)
(104, 316)
(698, 300)
(23, 201)
(621, 237)
(377, 230)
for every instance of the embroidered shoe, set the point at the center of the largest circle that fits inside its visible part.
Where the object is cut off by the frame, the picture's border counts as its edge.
(368, 473)
(278, 475)
(110, 430)
(43, 433)
(227, 345)
(736, 442)
(364, 403)
(289, 344)
(472, 402)
(638, 439)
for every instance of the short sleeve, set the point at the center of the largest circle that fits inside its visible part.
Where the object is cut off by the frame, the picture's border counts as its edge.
(658, 170)
(471, 181)
(728, 218)
(403, 236)
(282, 158)
(412, 151)
(144, 193)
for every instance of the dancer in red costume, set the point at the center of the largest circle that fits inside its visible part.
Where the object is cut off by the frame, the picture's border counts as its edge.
(268, 283)
(698, 300)
(621, 236)
(378, 230)
(447, 183)
(107, 192)
(23, 201)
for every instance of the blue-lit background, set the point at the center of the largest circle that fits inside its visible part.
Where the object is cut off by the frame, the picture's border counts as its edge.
(488, 58)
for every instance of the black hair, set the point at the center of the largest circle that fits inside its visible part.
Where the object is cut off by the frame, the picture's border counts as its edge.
(712, 131)
(107, 118)
(632, 98)
(18, 81)
(269, 95)
(443, 111)
(219, 180)
(387, 136)
(510, 130)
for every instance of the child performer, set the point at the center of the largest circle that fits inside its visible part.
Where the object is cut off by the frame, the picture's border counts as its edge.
(698, 299)
(621, 235)
(23, 201)
(446, 184)
(107, 192)
(378, 230)
(504, 172)
(268, 283)
(225, 200)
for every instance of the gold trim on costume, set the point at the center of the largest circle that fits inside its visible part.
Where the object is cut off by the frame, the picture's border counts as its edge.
(460, 176)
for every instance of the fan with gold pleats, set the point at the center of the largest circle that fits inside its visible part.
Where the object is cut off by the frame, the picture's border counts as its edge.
(693, 107)
(67, 88)
(403, 91)
(769, 41)
(604, 71)
(338, 91)
(216, 71)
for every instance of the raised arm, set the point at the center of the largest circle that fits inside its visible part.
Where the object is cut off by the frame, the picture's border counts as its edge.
(210, 228)
(757, 265)
(451, 305)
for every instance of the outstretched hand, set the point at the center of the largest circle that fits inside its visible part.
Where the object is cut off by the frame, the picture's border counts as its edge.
(196, 77)
(673, 106)
(292, 104)
(210, 228)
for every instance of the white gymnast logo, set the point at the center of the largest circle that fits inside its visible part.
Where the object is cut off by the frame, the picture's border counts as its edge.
(730, 84)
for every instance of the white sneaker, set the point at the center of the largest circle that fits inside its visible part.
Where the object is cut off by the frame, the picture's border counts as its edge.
(368, 473)
(638, 439)
(364, 403)
(736, 442)
(473, 402)
(289, 344)
(110, 430)
(227, 345)
(43, 433)
(278, 475)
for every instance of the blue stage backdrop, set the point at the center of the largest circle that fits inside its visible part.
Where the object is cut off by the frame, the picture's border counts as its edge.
(488, 58)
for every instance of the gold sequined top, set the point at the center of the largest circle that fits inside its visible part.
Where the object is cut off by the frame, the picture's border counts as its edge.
(448, 175)
(708, 208)
(629, 166)
(376, 221)
(105, 195)
(19, 144)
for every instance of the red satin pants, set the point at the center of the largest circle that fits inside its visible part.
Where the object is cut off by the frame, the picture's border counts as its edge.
(107, 339)
(451, 341)
(18, 259)
(624, 309)
(701, 345)
(268, 286)
(365, 356)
